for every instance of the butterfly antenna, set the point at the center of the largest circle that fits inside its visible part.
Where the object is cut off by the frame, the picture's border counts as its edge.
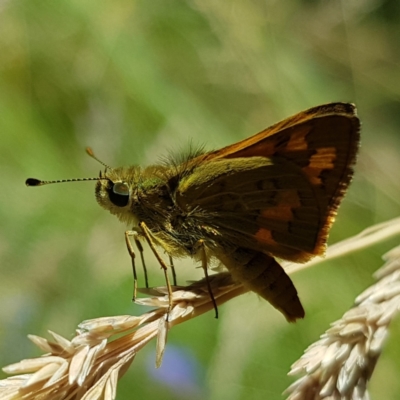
(90, 152)
(38, 182)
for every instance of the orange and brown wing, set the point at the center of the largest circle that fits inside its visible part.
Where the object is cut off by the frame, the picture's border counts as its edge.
(259, 203)
(279, 190)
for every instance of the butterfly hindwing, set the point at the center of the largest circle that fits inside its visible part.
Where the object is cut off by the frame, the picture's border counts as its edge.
(252, 202)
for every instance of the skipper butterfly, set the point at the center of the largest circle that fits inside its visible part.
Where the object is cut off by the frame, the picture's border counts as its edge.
(272, 196)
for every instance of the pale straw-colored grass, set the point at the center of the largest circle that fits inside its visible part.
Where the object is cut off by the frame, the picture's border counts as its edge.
(338, 366)
(89, 366)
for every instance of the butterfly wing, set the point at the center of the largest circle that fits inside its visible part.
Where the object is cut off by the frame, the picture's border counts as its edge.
(278, 191)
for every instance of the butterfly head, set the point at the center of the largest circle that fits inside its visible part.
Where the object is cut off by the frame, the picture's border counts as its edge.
(116, 190)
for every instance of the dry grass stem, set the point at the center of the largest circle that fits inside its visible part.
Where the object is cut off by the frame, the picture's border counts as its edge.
(89, 366)
(340, 364)
(367, 237)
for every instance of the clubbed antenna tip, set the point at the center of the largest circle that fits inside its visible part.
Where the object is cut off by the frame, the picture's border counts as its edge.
(33, 182)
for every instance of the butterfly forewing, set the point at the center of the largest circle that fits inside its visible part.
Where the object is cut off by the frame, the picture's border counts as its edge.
(318, 146)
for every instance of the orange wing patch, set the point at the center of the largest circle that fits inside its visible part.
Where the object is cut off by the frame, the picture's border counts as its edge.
(287, 200)
(323, 159)
(265, 236)
(297, 140)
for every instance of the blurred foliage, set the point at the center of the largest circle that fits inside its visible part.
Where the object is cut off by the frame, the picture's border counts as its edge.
(134, 79)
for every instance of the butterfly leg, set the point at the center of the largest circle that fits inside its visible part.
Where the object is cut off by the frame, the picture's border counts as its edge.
(150, 241)
(132, 254)
(171, 265)
(141, 252)
(131, 251)
(203, 257)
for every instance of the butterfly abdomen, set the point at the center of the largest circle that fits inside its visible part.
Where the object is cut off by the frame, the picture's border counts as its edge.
(264, 276)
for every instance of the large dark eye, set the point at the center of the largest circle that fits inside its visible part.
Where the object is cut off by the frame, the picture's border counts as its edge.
(119, 194)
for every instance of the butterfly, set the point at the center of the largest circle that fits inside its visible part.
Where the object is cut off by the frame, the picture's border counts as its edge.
(271, 196)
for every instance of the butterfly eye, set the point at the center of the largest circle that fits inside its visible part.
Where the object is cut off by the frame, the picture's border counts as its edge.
(121, 188)
(119, 194)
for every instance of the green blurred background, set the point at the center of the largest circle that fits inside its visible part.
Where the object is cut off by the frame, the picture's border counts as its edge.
(134, 79)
